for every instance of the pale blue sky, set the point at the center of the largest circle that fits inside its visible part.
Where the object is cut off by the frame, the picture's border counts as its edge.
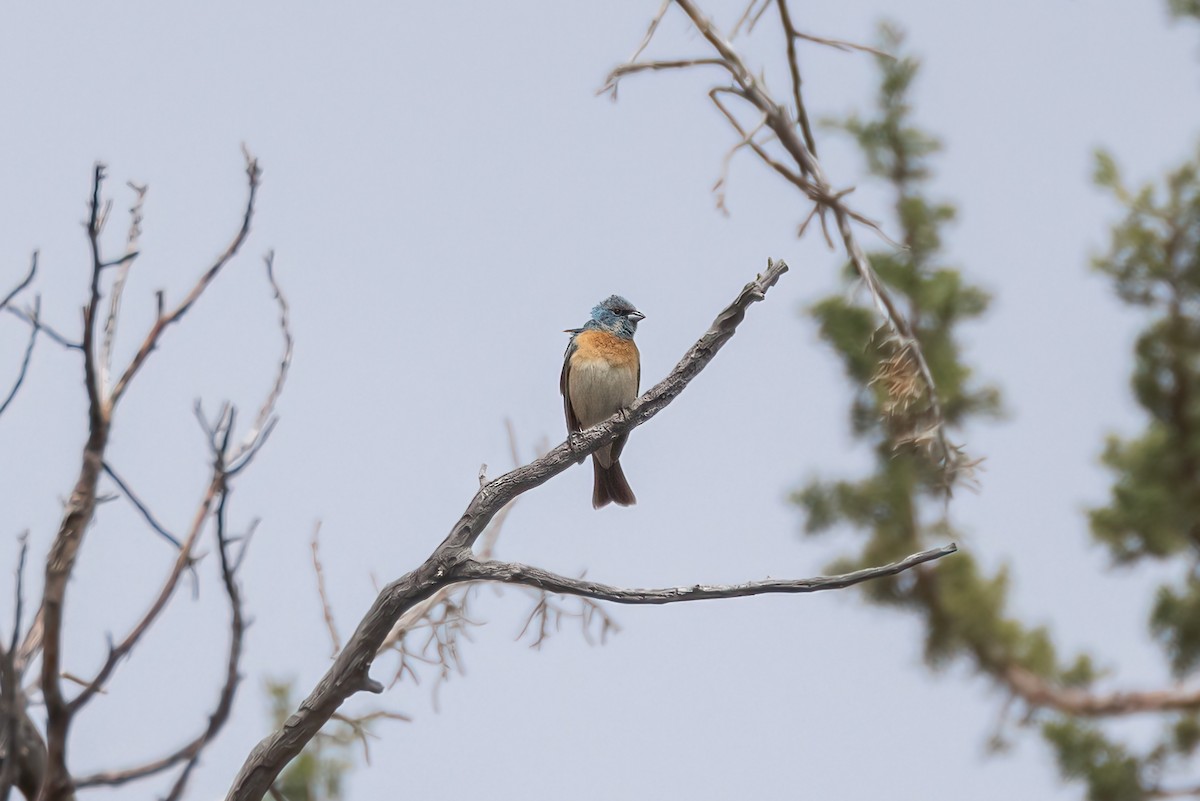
(445, 195)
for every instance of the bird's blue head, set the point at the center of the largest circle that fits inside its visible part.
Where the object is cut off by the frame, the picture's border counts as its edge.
(617, 316)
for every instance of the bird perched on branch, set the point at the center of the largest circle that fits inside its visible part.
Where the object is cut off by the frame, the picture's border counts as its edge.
(601, 374)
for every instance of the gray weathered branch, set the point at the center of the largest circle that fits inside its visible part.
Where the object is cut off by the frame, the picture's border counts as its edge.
(516, 573)
(453, 562)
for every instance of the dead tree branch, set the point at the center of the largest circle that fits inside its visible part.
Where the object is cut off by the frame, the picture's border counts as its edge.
(515, 573)
(46, 632)
(34, 317)
(23, 284)
(453, 562)
(793, 133)
(24, 369)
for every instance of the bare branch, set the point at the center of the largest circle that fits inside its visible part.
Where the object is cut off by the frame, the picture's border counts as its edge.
(747, 140)
(33, 332)
(94, 225)
(654, 23)
(1036, 691)
(549, 612)
(326, 609)
(77, 516)
(838, 44)
(118, 652)
(811, 180)
(529, 576)
(46, 631)
(147, 515)
(189, 753)
(751, 16)
(350, 672)
(118, 288)
(25, 282)
(12, 701)
(265, 423)
(789, 32)
(26, 316)
(614, 77)
(166, 319)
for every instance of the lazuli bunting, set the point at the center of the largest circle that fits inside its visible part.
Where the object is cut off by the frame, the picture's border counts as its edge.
(600, 376)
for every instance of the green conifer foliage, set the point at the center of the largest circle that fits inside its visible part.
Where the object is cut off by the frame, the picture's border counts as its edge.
(899, 508)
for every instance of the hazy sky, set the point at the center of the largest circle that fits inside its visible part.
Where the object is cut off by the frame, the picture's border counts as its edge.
(446, 194)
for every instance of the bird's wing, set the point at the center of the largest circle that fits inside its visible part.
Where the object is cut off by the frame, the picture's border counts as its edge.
(564, 386)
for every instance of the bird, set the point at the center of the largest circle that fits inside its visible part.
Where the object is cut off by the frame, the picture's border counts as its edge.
(601, 374)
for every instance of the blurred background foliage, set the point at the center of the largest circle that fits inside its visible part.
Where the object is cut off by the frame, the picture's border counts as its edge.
(1153, 261)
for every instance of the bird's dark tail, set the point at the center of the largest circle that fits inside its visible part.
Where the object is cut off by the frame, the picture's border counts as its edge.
(610, 485)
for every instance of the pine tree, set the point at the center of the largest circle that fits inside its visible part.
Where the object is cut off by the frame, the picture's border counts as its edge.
(1153, 260)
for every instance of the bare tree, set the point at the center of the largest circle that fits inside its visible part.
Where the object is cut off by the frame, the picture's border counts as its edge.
(36, 761)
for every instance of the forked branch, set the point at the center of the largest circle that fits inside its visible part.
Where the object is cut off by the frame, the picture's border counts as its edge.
(453, 561)
(791, 130)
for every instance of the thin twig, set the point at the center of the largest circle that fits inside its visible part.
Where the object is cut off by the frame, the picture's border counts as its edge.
(812, 181)
(610, 85)
(118, 652)
(257, 436)
(118, 287)
(326, 608)
(26, 281)
(33, 332)
(144, 510)
(190, 752)
(789, 31)
(26, 316)
(165, 319)
(12, 701)
(839, 44)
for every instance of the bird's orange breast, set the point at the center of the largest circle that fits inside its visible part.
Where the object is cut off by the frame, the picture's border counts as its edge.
(603, 345)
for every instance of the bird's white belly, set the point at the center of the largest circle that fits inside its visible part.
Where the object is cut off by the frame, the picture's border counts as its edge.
(598, 389)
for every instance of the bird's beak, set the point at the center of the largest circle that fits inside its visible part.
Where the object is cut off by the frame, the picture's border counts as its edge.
(635, 316)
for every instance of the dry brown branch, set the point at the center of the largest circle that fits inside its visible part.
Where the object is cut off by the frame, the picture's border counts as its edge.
(326, 609)
(789, 33)
(264, 424)
(359, 727)
(610, 86)
(1036, 691)
(118, 287)
(549, 612)
(189, 753)
(213, 494)
(806, 174)
(164, 319)
(46, 631)
(1176, 792)
(839, 44)
(80, 508)
(751, 16)
(718, 188)
(22, 748)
